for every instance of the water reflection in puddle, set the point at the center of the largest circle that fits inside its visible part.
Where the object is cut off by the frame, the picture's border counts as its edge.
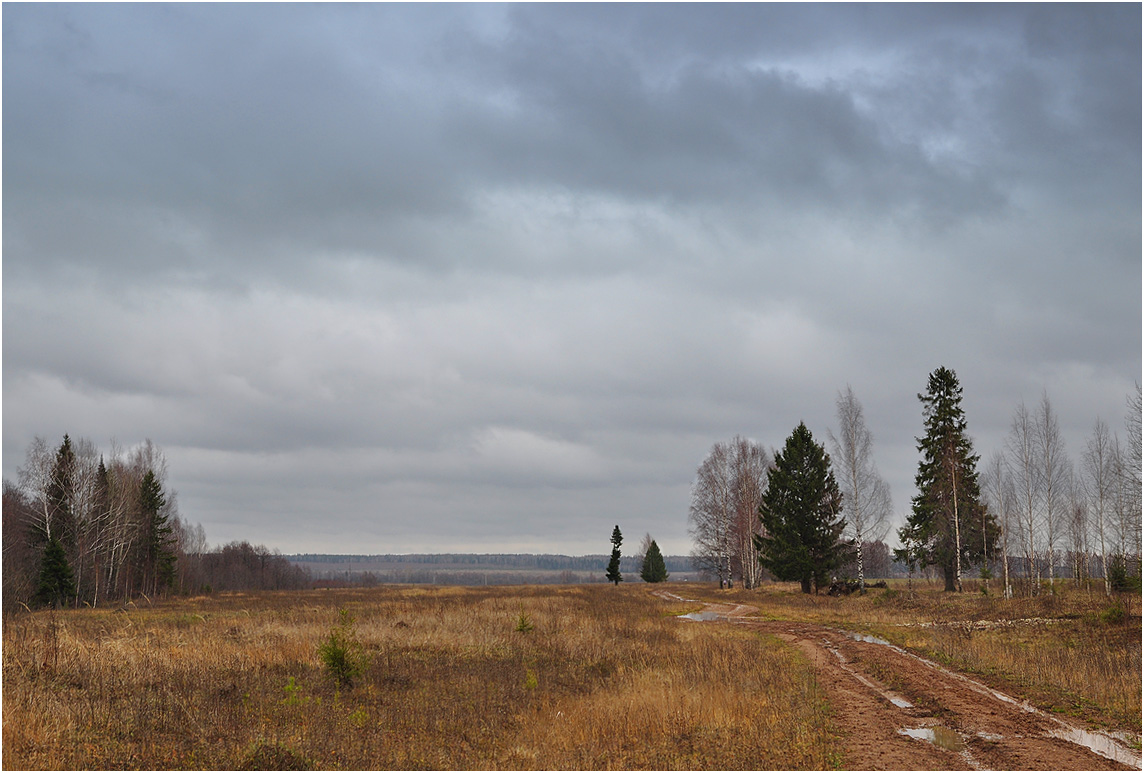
(937, 735)
(1100, 743)
(700, 616)
(867, 638)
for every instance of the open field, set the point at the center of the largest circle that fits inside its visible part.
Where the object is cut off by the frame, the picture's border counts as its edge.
(606, 678)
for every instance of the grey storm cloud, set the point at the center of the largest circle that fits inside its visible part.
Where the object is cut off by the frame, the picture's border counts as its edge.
(374, 274)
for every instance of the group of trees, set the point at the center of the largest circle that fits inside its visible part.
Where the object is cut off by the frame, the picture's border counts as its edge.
(789, 515)
(81, 527)
(652, 566)
(806, 515)
(1059, 519)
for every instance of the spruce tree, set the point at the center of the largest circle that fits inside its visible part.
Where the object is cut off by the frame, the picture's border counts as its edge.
(654, 569)
(61, 524)
(57, 583)
(613, 573)
(158, 547)
(801, 514)
(948, 526)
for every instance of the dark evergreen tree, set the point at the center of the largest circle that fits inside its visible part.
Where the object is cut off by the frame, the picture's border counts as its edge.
(948, 527)
(653, 569)
(801, 514)
(60, 525)
(159, 543)
(57, 584)
(613, 573)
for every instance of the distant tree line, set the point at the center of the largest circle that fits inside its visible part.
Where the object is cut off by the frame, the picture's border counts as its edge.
(1030, 517)
(544, 561)
(81, 527)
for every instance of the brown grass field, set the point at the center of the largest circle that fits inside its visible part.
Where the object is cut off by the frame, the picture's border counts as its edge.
(606, 678)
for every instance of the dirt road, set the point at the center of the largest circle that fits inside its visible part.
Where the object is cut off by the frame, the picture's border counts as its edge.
(934, 719)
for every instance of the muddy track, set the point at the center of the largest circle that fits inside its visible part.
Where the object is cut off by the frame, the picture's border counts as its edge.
(931, 718)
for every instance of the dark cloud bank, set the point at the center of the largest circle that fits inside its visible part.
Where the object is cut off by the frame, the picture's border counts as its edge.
(490, 278)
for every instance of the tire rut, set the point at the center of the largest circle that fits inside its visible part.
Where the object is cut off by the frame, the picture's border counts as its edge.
(931, 718)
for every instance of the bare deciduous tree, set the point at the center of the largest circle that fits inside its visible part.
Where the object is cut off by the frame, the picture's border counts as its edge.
(1054, 473)
(998, 490)
(724, 514)
(865, 494)
(1131, 471)
(751, 464)
(1098, 481)
(1023, 471)
(1078, 529)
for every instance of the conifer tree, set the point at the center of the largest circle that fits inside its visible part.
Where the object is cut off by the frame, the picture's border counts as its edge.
(158, 547)
(654, 569)
(948, 527)
(801, 514)
(57, 583)
(613, 573)
(61, 521)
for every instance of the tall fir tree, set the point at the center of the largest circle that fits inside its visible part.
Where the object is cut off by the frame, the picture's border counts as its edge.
(159, 544)
(801, 514)
(948, 526)
(61, 525)
(613, 573)
(654, 569)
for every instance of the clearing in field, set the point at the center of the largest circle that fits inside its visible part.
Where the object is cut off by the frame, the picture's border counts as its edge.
(574, 677)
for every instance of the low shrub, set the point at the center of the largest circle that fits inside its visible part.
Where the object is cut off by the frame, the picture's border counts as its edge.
(341, 652)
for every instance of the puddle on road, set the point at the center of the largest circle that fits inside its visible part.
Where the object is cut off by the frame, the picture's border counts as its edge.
(1100, 743)
(937, 735)
(901, 703)
(700, 616)
(867, 638)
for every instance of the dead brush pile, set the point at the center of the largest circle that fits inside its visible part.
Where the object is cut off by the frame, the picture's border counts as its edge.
(604, 678)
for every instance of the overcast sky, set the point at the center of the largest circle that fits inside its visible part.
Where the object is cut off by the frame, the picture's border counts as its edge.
(403, 278)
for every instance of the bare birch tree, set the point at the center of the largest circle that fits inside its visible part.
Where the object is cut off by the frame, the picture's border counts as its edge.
(35, 479)
(866, 500)
(1078, 529)
(1054, 474)
(998, 490)
(751, 464)
(711, 515)
(1020, 458)
(1098, 481)
(724, 514)
(1131, 467)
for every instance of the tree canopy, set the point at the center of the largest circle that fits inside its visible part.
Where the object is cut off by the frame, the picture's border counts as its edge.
(613, 573)
(654, 569)
(801, 514)
(948, 526)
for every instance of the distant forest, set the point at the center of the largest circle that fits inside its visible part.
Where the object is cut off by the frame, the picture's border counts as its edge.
(474, 569)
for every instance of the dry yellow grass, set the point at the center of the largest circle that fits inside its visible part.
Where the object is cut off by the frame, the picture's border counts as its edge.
(605, 679)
